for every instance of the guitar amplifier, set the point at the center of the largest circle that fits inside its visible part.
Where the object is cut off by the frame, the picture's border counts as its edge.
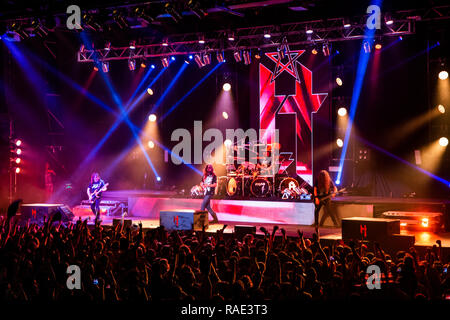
(363, 228)
(183, 219)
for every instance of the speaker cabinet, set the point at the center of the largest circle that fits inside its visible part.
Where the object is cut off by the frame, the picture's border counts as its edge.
(183, 219)
(361, 228)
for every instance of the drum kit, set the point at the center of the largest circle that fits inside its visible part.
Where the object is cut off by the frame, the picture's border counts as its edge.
(259, 180)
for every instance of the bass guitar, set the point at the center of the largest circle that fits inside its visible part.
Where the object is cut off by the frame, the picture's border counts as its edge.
(94, 195)
(319, 199)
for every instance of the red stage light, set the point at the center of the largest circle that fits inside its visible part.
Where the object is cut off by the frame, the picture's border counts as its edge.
(18, 142)
(18, 170)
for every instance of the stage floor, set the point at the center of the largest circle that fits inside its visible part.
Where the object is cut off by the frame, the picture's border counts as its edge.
(423, 239)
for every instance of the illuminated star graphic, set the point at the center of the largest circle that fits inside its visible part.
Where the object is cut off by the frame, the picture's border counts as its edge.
(290, 66)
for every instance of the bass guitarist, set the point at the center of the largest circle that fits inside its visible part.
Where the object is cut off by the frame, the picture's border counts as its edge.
(94, 192)
(324, 190)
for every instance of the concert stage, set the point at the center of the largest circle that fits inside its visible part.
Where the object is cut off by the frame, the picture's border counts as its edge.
(144, 206)
(148, 203)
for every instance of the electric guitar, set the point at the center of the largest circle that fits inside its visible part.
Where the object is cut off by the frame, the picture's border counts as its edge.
(94, 195)
(319, 199)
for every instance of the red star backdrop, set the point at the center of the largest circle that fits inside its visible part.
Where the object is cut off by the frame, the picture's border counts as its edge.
(293, 84)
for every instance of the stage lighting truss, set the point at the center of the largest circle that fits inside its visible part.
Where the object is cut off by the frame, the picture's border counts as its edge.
(325, 32)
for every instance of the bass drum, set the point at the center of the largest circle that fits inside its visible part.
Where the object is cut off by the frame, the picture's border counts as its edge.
(233, 186)
(288, 183)
(260, 187)
(197, 191)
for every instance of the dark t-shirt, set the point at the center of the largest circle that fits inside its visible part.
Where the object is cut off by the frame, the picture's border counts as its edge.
(94, 186)
(211, 179)
(330, 190)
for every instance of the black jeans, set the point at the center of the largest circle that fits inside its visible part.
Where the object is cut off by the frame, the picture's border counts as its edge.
(327, 211)
(206, 205)
(95, 207)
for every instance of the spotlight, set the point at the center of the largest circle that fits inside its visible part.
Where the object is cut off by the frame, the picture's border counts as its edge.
(165, 42)
(105, 66)
(258, 54)
(339, 81)
(326, 49)
(441, 108)
(191, 57)
(225, 115)
(18, 170)
(108, 46)
(443, 142)
(227, 143)
(152, 117)
(443, 75)
(247, 57)
(424, 222)
(195, 7)
(198, 59)
(151, 144)
(339, 142)
(226, 86)
(18, 160)
(201, 39)
(309, 31)
(158, 179)
(231, 36)
(172, 58)
(267, 34)
(131, 64)
(140, 12)
(347, 23)
(143, 64)
(174, 14)
(378, 46)
(280, 51)
(95, 68)
(165, 62)
(206, 59)
(314, 51)
(388, 20)
(132, 45)
(366, 46)
(342, 112)
(219, 56)
(237, 56)
(18, 142)
(150, 92)
(152, 66)
(119, 19)
(38, 28)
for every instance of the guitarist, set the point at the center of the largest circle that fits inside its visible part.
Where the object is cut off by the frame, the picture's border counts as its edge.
(209, 183)
(94, 192)
(324, 189)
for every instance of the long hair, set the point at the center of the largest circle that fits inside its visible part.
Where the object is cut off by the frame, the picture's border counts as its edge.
(93, 175)
(323, 182)
(206, 171)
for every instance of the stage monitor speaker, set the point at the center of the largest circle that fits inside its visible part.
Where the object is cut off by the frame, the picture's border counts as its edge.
(36, 212)
(241, 231)
(126, 222)
(363, 228)
(183, 219)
